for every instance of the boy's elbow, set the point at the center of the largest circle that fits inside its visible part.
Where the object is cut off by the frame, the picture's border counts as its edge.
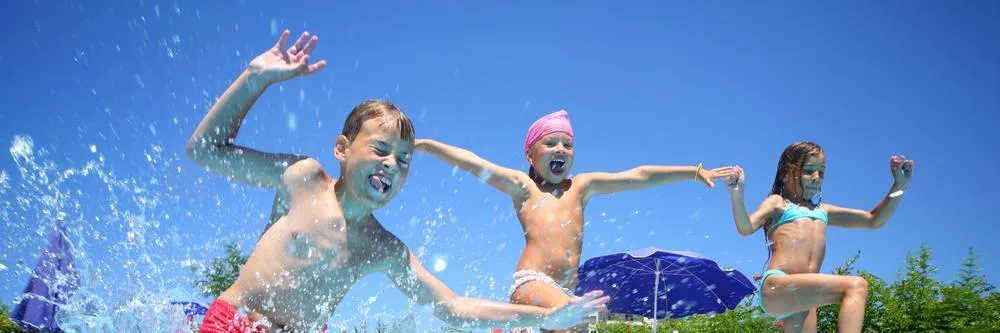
(191, 146)
(199, 150)
(195, 148)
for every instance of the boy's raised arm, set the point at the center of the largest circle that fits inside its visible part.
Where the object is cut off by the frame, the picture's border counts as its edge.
(211, 144)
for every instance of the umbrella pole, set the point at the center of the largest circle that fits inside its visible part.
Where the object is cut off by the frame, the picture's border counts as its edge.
(656, 293)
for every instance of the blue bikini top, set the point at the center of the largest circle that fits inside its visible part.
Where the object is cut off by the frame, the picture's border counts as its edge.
(794, 212)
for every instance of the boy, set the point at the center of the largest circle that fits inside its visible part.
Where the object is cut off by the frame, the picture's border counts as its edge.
(324, 237)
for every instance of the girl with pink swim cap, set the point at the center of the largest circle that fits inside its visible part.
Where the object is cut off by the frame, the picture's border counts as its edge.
(550, 205)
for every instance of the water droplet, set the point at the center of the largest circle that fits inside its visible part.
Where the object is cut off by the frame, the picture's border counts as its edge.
(22, 147)
(274, 26)
(440, 264)
(93, 148)
(485, 175)
(291, 122)
(3, 180)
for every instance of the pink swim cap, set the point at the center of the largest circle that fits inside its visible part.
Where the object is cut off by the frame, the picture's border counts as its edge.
(554, 122)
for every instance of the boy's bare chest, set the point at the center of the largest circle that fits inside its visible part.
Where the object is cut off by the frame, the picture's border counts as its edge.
(319, 235)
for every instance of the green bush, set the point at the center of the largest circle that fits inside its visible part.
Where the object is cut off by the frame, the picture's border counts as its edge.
(7, 325)
(915, 302)
(221, 273)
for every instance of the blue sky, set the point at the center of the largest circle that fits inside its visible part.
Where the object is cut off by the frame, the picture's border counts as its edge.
(646, 82)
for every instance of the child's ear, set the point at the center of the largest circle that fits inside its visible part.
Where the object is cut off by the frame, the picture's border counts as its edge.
(340, 148)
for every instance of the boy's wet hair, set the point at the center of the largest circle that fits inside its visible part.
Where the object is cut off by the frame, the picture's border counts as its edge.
(390, 114)
(790, 164)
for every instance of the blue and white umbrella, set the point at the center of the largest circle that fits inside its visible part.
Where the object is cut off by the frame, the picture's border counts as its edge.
(657, 283)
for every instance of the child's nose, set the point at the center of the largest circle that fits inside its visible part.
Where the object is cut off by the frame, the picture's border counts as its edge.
(390, 165)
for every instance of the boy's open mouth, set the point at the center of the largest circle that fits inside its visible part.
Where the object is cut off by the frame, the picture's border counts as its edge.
(557, 166)
(380, 182)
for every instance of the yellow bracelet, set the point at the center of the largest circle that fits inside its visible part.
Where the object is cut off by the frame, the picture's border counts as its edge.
(696, 172)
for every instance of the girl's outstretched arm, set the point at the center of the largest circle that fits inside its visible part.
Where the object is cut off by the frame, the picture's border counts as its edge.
(902, 172)
(510, 181)
(747, 223)
(648, 176)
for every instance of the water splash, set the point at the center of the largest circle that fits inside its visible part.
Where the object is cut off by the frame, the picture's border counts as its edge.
(100, 212)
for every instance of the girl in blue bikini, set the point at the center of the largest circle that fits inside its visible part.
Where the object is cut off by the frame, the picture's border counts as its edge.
(795, 227)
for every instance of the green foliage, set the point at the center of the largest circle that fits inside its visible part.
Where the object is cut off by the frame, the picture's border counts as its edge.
(7, 325)
(221, 273)
(915, 302)
(745, 318)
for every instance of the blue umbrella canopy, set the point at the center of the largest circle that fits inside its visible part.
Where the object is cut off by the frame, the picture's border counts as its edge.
(191, 308)
(657, 283)
(52, 281)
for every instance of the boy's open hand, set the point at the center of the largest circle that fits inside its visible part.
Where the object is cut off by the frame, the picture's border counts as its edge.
(576, 311)
(279, 64)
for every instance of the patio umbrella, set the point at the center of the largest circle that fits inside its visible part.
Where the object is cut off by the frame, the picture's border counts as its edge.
(191, 308)
(51, 283)
(657, 283)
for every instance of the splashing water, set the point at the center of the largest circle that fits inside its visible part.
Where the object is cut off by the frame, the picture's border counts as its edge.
(100, 213)
(127, 249)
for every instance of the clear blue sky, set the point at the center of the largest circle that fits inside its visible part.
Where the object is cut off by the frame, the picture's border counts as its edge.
(645, 82)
